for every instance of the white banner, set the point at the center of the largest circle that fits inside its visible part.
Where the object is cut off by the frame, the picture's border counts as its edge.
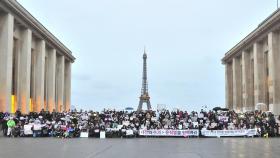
(172, 133)
(229, 133)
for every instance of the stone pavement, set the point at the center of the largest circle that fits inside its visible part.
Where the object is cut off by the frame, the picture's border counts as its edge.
(140, 148)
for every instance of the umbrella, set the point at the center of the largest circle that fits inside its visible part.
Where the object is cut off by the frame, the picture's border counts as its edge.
(225, 109)
(217, 108)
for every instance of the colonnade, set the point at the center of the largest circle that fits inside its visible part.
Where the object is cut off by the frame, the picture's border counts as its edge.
(34, 74)
(252, 76)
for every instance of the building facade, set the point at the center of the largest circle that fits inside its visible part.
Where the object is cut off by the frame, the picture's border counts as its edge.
(252, 69)
(35, 67)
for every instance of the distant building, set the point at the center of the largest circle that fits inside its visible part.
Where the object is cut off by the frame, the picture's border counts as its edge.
(35, 67)
(253, 69)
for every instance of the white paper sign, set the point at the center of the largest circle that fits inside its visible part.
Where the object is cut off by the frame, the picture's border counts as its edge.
(223, 118)
(129, 132)
(102, 135)
(125, 123)
(84, 135)
(119, 127)
(195, 124)
(27, 130)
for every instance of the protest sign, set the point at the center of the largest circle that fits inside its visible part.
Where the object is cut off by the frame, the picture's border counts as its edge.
(28, 130)
(84, 135)
(102, 135)
(223, 118)
(172, 133)
(229, 133)
(129, 132)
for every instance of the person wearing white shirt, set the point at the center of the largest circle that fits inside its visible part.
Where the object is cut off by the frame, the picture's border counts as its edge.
(37, 128)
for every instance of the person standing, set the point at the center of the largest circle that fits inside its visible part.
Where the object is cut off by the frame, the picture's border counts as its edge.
(278, 125)
(4, 126)
(11, 124)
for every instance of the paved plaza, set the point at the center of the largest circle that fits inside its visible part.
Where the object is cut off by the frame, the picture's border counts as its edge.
(140, 148)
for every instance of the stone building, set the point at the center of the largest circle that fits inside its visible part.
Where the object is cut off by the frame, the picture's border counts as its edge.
(253, 69)
(35, 67)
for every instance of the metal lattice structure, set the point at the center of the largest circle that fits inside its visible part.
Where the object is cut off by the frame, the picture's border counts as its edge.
(144, 98)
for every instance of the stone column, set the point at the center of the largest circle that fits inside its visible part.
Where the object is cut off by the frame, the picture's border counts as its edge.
(67, 86)
(16, 64)
(247, 82)
(40, 75)
(24, 73)
(237, 84)
(229, 83)
(60, 83)
(51, 72)
(274, 67)
(259, 73)
(6, 58)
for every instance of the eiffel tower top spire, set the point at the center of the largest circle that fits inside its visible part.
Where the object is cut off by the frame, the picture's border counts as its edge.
(144, 98)
(145, 54)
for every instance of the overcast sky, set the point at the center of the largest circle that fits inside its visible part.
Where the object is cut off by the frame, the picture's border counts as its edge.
(185, 41)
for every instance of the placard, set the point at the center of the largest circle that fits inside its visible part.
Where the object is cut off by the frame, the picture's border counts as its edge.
(129, 132)
(119, 127)
(125, 123)
(223, 118)
(102, 135)
(84, 135)
(28, 130)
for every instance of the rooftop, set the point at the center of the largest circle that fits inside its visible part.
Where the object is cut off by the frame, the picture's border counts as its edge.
(25, 18)
(263, 28)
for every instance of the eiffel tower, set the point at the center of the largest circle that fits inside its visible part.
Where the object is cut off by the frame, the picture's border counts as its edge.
(144, 98)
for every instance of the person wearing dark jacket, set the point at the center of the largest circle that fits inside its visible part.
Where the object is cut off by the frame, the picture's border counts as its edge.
(4, 126)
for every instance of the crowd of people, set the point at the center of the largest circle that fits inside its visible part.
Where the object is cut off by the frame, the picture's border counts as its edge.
(115, 123)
